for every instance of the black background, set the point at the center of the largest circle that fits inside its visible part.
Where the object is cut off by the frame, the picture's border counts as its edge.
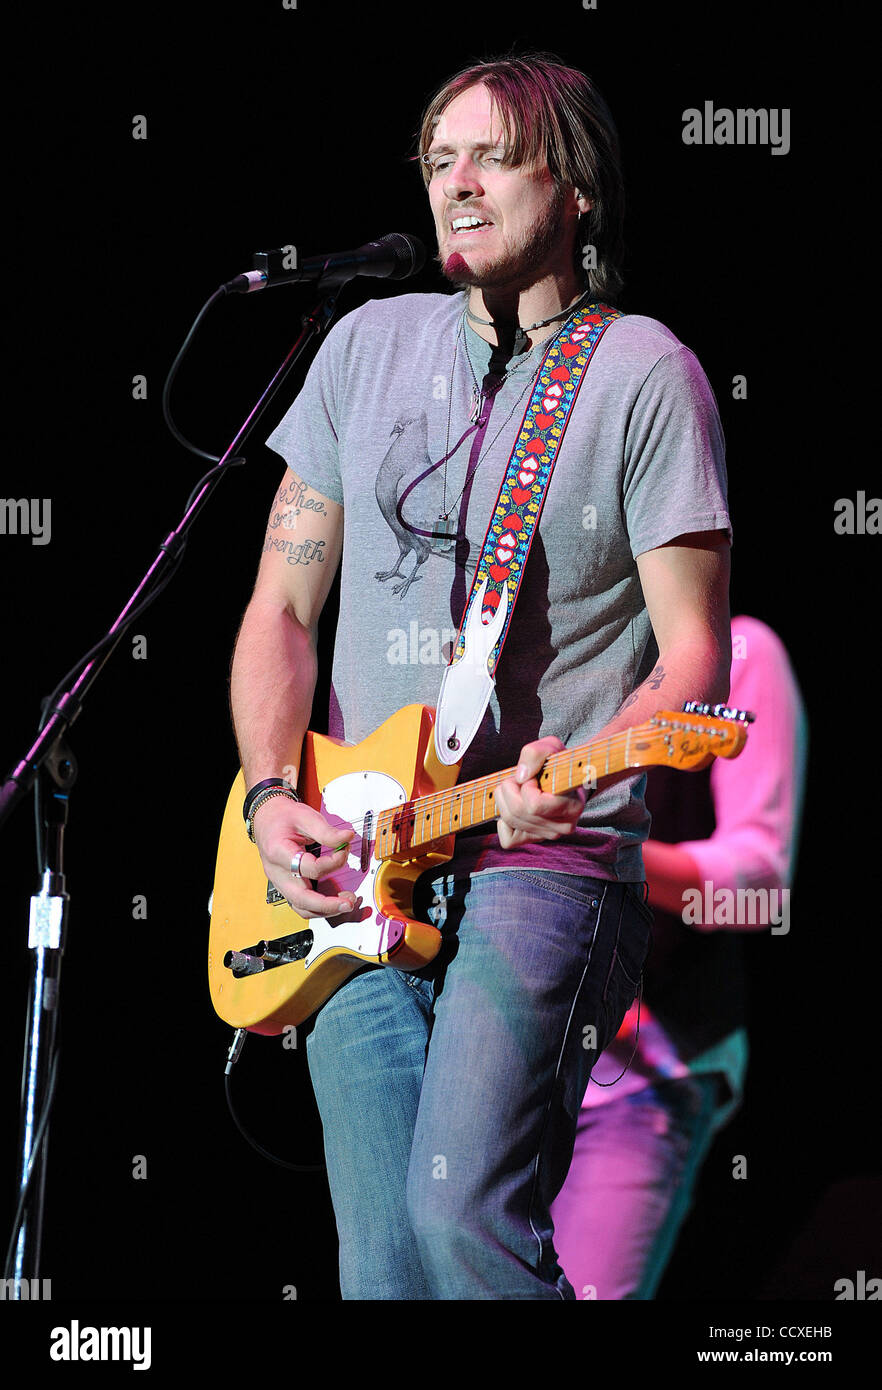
(265, 127)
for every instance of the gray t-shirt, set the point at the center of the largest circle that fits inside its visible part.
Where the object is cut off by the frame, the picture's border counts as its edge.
(388, 396)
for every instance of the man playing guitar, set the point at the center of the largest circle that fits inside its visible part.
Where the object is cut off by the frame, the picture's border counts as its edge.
(449, 1095)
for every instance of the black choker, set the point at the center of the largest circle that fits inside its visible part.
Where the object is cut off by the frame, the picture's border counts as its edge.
(519, 344)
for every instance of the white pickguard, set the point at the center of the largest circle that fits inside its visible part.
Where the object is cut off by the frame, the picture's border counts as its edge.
(346, 801)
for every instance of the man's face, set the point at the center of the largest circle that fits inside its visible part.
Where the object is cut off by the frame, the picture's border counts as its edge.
(527, 223)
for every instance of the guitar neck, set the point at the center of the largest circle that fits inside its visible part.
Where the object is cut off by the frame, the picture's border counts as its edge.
(439, 814)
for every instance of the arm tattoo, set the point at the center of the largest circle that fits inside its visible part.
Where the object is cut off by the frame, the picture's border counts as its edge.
(290, 500)
(652, 682)
(300, 554)
(655, 678)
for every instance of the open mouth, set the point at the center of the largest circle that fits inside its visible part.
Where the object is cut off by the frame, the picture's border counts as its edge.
(461, 226)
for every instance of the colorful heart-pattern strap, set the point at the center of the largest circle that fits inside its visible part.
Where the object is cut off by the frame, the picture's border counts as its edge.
(515, 517)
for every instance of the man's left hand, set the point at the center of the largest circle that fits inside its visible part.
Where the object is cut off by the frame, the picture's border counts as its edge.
(526, 813)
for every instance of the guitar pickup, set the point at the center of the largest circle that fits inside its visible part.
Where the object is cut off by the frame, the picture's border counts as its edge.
(273, 896)
(266, 955)
(366, 834)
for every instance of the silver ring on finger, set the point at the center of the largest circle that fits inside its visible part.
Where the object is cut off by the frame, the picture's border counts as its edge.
(295, 864)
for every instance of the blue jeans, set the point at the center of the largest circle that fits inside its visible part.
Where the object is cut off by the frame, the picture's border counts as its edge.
(450, 1098)
(630, 1186)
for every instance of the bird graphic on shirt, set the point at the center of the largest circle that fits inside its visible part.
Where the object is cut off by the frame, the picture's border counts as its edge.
(407, 467)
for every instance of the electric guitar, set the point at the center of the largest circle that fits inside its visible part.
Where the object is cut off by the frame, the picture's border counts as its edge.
(269, 968)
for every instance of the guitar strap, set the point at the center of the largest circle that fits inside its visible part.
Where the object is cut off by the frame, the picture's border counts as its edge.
(469, 677)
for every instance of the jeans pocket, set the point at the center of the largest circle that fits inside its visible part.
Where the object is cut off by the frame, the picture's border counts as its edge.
(638, 902)
(581, 889)
(633, 939)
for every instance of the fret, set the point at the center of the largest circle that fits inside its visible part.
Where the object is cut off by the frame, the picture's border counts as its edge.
(432, 817)
(585, 765)
(382, 843)
(576, 774)
(402, 829)
(439, 814)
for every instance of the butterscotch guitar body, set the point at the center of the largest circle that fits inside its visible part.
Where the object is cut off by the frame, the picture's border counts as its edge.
(267, 966)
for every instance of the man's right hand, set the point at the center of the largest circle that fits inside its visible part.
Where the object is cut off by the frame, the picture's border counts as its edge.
(281, 828)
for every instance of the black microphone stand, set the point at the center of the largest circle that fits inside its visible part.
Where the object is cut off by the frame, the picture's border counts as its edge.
(50, 767)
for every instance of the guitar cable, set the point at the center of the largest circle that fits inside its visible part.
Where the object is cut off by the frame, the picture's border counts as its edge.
(175, 545)
(232, 1058)
(639, 998)
(240, 1033)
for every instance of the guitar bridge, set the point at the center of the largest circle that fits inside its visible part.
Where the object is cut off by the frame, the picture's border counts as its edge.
(266, 955)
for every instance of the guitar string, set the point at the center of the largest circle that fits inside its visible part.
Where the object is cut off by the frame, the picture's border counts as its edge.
(444, 800)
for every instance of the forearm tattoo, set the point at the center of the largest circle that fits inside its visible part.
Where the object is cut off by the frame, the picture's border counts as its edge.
(652, 682)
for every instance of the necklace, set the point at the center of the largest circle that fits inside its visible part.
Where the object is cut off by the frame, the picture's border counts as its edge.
(520, 337)
(495, 380)
(446, 526)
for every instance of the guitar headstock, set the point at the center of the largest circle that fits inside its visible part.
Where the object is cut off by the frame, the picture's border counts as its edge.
(685, 741)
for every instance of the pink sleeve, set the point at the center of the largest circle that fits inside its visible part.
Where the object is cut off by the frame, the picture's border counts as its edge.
(758, 795)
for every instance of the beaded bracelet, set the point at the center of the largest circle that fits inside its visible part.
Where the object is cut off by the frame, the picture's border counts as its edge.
(263, 796)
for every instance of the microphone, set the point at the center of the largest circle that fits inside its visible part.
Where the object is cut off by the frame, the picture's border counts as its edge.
(393, 257)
